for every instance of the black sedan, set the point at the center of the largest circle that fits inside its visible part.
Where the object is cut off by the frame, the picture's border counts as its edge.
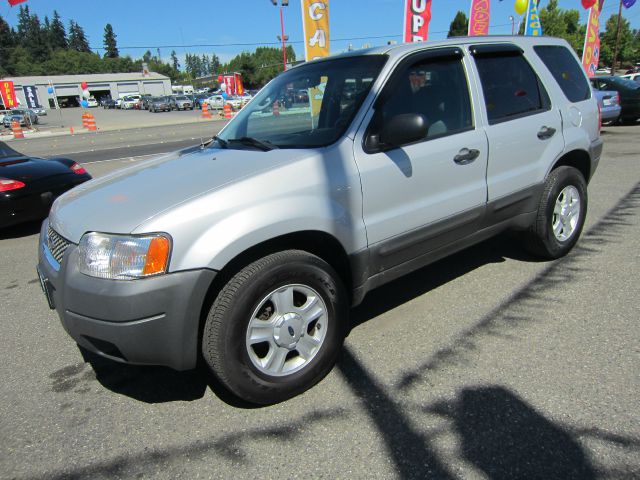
(29, 185)
(629, 95)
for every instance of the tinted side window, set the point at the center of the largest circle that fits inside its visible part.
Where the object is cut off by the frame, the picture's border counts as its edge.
(437, 89)
(566, 70)
(511, 87)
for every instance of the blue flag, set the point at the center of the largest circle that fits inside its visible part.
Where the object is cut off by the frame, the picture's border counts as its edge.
(532, 26)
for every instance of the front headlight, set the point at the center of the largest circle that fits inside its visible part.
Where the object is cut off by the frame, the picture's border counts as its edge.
(123, 257)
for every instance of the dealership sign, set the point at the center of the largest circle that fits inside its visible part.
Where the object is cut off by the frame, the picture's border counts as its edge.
(8, 94)
(417, 15)
(31, 95)
(315, 23)
(479, 18)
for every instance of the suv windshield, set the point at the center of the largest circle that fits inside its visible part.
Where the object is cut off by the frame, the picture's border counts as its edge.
(281, 116)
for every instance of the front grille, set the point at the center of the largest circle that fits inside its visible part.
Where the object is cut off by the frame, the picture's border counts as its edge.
(57, 244)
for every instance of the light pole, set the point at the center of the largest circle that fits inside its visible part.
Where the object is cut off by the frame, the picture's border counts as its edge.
(513, 24)
(283, 37)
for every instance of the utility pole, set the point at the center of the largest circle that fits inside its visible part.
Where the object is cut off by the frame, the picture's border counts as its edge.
(615, 51)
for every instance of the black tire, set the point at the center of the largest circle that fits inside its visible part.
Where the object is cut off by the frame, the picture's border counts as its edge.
(224, 342)
(541, 239)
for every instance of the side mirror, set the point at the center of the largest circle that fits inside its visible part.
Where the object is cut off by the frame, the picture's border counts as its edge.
(399, 130)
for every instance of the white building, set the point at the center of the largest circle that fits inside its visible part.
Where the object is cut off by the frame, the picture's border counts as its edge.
(68, 91)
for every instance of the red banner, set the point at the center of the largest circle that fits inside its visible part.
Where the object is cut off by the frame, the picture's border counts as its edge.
(8, 94)
(591, 51)
(479, 18)
(417, 15)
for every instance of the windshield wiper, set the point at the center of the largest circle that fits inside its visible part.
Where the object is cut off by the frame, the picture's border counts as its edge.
(263, 145)
(223, 143)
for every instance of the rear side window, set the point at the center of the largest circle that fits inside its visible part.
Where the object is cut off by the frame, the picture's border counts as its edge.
(566, 70)
(511, 88)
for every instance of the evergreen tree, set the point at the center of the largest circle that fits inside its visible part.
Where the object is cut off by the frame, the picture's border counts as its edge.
(57, 33)
(77, 39)
(459, 26)
(110, 42)
(147, 56)
(35, 40)
(6, 45)
(174, 60)
(24, 18)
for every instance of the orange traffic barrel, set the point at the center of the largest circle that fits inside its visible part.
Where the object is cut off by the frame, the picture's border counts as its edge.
(17, 130)
(85, 117)
(91, 123)
(227, 110)
(205, 111)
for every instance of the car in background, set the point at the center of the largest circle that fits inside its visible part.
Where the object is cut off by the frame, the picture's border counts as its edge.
(129, 103)
(92, 102)
(629, 95)
(40, 111)
(180, 102)
(634, 77)
(29, 185)
(159, 104)
(3, 113)
(609, 103)
(199, 99)
(109, 103)
(24, 116)
(215, 102)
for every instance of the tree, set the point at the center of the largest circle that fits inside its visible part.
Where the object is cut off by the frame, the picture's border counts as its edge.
(146, 57)
(77, 39)
(626, 51)
(459, 26)
(57, 33)
(6, 45)
(174, 60)
(110, 45)
(36, 40)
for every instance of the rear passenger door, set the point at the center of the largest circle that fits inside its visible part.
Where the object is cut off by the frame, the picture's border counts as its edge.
(426, 194)
(523, 129)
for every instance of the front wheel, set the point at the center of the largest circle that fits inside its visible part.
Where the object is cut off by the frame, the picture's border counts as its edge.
(561, 214)
(276, 328)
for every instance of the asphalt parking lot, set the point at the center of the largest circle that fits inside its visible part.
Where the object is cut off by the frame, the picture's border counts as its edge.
(488, 364)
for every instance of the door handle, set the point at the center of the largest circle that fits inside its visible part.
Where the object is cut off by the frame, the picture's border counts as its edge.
(546, 132)
(466, 156)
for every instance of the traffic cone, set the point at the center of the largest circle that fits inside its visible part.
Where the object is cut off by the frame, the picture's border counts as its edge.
(91, 122)
(276, 108)
(227, 110)
(205, 111)
(17, 130)
(71, 130)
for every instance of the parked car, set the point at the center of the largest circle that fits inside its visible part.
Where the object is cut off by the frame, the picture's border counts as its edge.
(24, 116)
(92, 102)
(40, 111)
(609, 103)
(199, 99)
(629, 95)
(215, 102)
(29, 185)
(109, 103)
(129, 103)
(250, 250)
(180, 102)
(159, 104)
(2, 115)
(635, 77)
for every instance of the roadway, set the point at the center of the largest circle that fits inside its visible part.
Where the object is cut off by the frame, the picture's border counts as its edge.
(488, 364)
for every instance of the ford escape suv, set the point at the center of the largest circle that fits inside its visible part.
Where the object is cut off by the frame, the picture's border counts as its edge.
(248, 251)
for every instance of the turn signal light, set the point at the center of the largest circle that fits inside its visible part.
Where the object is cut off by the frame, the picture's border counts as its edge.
(157, 256)
(75, 168)
(8, 184)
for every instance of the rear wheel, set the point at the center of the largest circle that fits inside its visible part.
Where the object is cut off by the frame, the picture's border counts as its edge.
(276, 327)
(561, 214)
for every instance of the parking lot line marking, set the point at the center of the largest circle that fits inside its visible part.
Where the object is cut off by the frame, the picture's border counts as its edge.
(125, 158)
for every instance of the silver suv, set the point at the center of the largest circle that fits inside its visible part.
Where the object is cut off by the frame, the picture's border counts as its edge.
(249, 251)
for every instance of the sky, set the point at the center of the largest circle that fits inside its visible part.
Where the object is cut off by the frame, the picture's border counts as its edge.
(227, 30)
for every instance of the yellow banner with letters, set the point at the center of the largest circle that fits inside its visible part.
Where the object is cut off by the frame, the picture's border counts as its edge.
(315, 24)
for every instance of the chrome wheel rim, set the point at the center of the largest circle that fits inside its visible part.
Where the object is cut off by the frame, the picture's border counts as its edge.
(287, 330)
(566, 213)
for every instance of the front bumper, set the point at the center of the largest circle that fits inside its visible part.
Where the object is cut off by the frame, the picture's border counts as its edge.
(151, 321)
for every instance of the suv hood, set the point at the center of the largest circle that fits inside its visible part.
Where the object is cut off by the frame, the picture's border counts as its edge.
(122, 200)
